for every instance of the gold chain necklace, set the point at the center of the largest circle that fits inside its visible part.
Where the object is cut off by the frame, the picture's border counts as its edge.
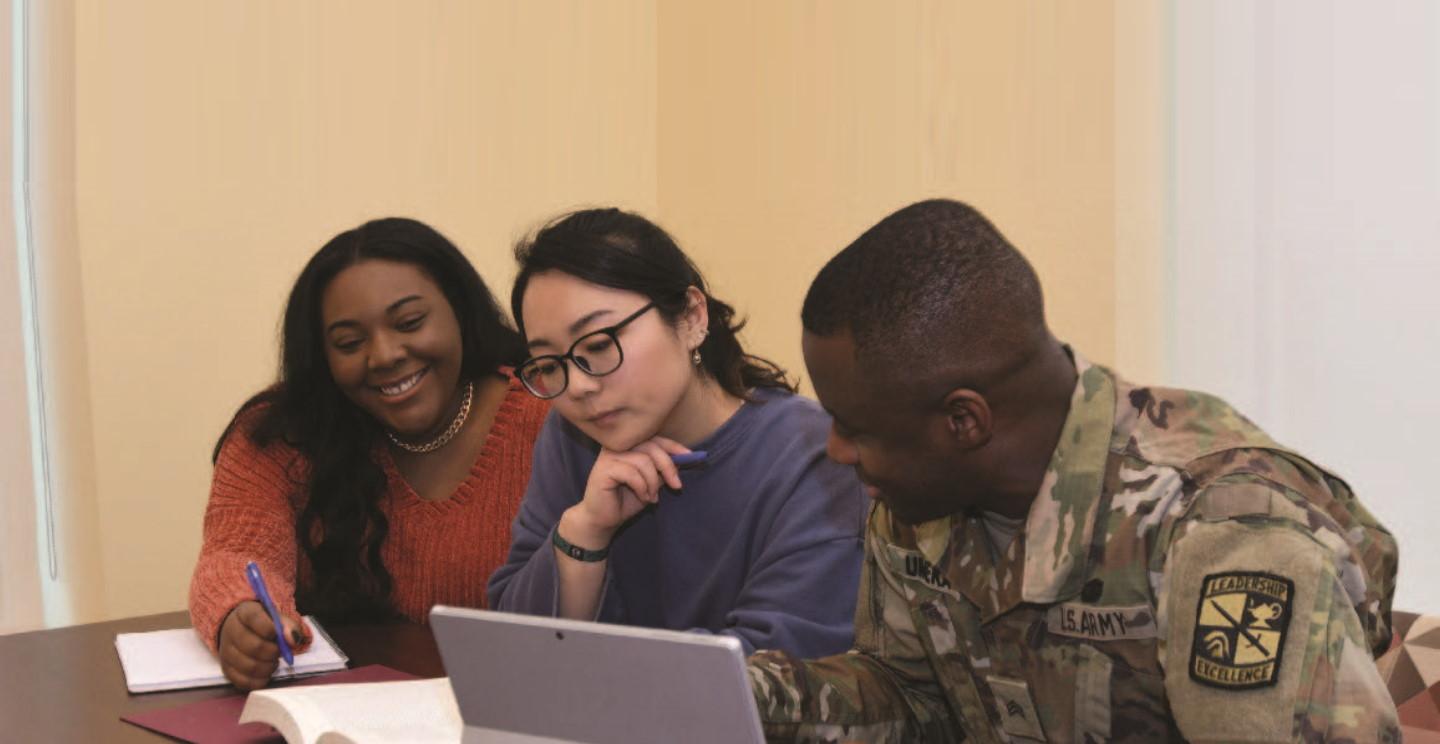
(445, 436)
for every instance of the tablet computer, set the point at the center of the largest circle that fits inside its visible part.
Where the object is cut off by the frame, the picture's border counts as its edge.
(519, 678)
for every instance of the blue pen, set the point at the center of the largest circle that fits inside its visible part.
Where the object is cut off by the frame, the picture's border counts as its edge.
(689, 458)
(257, 585)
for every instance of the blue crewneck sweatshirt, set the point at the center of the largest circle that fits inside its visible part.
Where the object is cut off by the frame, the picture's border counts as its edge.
(764, 543)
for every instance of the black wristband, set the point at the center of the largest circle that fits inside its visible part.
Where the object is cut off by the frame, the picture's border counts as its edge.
(575, 551)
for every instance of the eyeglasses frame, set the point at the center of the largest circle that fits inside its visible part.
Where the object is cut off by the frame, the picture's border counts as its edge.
(612, 331)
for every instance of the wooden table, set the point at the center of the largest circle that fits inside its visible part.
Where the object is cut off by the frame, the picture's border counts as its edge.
(66, 685)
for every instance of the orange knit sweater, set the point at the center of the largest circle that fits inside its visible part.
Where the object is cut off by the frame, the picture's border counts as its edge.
(438, 552)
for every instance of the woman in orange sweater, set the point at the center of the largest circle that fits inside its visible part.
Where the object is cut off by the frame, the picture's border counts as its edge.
(380, 475)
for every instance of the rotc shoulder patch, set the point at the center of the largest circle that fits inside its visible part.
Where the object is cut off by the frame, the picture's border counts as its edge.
(1240, 630)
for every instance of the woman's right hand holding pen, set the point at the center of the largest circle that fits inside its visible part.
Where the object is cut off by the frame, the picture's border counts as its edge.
(248, 651)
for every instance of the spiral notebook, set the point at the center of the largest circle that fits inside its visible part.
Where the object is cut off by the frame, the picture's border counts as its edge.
(177, 660)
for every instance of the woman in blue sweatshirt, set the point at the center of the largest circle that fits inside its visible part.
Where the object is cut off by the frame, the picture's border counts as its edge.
(762, 540)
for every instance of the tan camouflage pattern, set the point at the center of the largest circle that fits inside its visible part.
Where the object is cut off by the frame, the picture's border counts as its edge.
(1147, 485)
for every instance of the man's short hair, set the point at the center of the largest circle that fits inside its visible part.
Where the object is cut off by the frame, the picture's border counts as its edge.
(934, 281)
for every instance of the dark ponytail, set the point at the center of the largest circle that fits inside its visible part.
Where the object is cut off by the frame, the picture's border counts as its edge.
(625, 251)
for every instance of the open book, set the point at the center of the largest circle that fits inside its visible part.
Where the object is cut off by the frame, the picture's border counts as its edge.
(177, 659)
(422, 711)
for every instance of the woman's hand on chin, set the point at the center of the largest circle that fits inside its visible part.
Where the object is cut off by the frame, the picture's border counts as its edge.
(621, 484)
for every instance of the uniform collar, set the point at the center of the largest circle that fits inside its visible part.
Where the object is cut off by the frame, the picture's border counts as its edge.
(1047, 561)
(1061, 524)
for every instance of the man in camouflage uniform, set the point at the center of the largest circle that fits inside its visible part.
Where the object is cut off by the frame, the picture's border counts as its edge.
(1056, 554)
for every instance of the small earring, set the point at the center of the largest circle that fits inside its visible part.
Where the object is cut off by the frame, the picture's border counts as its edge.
(695, 357)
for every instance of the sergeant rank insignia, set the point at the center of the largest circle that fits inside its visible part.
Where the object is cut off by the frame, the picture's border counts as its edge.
(1240, 630)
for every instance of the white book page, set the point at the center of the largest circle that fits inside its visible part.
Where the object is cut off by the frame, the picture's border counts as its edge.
(421, 711)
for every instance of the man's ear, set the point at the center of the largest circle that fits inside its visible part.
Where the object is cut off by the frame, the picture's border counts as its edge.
(968, 418)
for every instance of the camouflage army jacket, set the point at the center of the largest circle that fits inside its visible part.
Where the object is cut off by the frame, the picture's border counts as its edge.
(1179, 576)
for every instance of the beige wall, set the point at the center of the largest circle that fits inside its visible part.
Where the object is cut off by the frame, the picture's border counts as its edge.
(219, 144)
(1141, 123)
(216, 145)
(788, 128)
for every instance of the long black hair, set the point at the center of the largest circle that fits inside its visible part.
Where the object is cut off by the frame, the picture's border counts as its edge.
(341, 527)
(625, 251)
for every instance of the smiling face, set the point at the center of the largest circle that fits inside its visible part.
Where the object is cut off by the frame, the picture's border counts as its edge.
(393, 345)
(905, 455)
(640, 398)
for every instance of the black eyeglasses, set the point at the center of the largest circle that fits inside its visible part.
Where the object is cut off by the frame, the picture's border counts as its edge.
(596, 354)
